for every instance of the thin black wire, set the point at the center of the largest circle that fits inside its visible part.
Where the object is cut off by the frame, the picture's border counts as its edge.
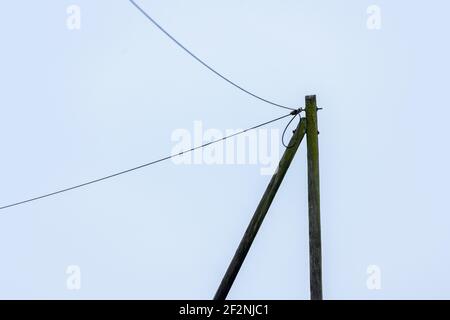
(285, 129)
(141, 166)
(203, 63)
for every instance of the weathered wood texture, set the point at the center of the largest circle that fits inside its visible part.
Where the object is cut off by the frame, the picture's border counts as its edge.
(260, 213)
(315, 245)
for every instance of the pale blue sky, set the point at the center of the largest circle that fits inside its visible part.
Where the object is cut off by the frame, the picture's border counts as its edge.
(76, 105)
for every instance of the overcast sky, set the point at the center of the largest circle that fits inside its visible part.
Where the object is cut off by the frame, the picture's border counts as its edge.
(77, 104)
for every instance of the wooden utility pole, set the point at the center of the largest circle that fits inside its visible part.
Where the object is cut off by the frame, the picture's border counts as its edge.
(260, 213)
(315, 245)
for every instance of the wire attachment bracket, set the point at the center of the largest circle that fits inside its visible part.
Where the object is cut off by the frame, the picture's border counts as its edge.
(297, 111)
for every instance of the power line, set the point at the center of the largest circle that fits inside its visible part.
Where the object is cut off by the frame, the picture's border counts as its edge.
(295, 112)
(202, 62)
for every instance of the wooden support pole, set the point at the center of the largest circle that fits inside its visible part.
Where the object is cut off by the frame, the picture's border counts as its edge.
(260, 213)
(315, 245)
